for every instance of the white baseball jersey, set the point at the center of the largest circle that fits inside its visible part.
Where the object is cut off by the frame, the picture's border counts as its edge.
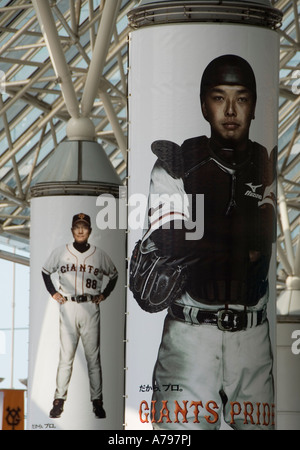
(167, 199)
(80, 273)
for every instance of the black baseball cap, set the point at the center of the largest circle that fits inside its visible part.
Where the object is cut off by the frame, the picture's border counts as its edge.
(81, 217)
(229, 70)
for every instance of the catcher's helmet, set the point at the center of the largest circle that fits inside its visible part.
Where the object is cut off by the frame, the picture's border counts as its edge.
(229, 70)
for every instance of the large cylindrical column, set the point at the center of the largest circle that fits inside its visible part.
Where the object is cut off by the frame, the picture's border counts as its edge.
(77, 295)
(203, 101)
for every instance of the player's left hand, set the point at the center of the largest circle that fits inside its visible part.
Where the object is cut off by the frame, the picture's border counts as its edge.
(98, 299)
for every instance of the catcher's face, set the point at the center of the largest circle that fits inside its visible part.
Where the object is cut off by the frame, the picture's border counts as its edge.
(229, 110)
(81, 232)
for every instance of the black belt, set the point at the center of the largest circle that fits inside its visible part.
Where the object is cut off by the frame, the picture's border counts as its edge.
(225, 319)
(81, 298)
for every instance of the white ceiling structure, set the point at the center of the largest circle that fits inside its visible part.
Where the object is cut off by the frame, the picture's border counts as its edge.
(34, 113)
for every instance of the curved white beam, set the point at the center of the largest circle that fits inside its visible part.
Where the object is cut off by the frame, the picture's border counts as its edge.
(113, 119)
(106, 27)
(47, 24)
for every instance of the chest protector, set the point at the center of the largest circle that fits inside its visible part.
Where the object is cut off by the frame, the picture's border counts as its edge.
(239, 228)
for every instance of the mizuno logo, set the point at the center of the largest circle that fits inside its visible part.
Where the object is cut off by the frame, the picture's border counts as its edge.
(252, 192)
(252, 187)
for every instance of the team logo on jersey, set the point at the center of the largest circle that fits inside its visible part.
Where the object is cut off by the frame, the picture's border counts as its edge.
(252, 191)
(81, 217)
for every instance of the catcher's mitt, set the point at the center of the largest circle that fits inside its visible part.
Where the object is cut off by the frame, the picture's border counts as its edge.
(154, 281)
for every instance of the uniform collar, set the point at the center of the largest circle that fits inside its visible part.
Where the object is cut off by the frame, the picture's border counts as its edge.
(227, 156)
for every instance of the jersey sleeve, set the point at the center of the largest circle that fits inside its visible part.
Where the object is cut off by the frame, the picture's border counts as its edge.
(51, 265)
(108, 267)
(269, 196)
(167, 200)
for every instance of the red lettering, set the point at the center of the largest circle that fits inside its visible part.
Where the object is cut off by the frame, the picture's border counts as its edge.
(273, 414)
(180, 410)
(233, 412)
(153, 411)
(258, 413)
(266, 414)
(164, 412)
(254, 413)
(215, 415)
(196, 410)
(248, 413)
(146, 415)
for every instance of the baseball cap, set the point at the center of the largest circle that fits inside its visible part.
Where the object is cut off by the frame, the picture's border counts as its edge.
(81, 217)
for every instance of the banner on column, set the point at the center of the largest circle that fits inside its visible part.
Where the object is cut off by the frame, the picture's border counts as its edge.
(202, 161)
(12, 409)
(77, 305)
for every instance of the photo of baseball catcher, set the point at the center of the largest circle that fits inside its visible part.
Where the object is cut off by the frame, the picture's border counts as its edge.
(215, 344)
(80, 268)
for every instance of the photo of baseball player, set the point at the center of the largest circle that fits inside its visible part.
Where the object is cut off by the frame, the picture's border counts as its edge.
(215, 345)
(80, 268)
